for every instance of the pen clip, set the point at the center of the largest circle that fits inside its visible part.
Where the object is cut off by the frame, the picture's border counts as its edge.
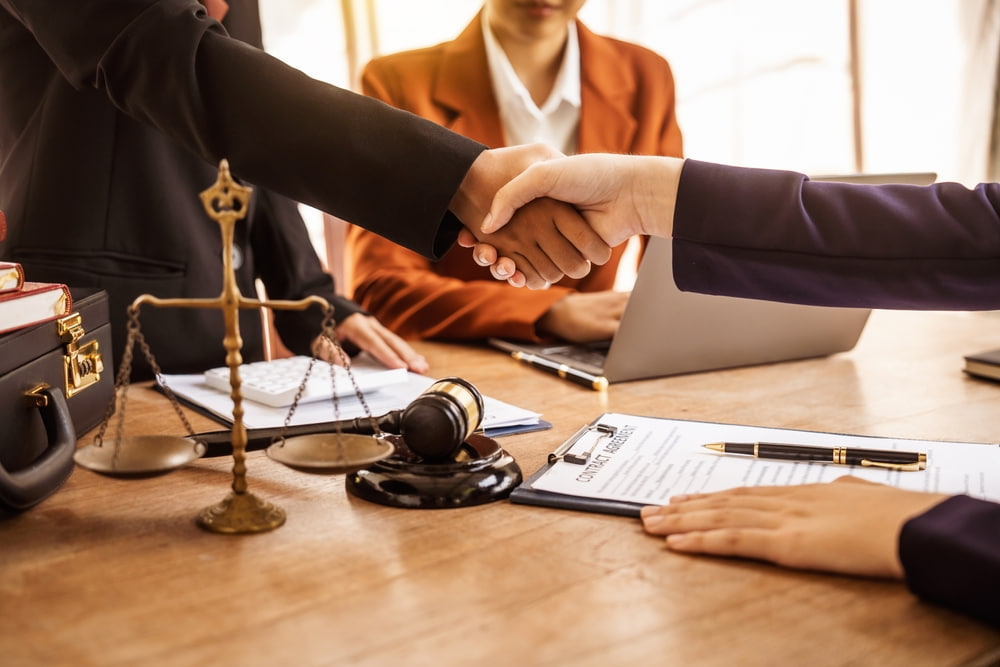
(563, 453)
(905, 467)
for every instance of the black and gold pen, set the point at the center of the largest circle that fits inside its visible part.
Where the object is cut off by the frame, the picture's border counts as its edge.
(596, 382)
(852, 456)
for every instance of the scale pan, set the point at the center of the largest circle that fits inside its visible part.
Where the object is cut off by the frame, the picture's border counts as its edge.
(330, 453)
(139, 455)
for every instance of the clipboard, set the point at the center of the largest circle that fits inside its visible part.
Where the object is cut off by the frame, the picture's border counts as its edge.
(646, 460)
(524, 494)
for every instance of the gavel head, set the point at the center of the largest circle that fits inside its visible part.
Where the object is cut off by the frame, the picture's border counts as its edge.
(438, 421)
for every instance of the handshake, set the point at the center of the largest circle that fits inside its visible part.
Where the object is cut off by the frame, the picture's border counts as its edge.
(534, 215)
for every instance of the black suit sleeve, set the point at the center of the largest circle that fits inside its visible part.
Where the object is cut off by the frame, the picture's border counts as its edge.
(167, 64)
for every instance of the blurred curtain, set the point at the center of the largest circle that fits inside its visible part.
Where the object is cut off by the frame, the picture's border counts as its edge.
(979, 149)
(361, 35)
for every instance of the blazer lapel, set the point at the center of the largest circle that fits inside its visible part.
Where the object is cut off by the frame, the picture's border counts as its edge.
(465, 91)
(607, 88)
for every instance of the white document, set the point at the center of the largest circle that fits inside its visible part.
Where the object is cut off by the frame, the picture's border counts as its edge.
(196, 391)
(649, 460)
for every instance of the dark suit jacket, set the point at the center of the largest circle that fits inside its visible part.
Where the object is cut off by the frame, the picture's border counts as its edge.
(627, 106)
(776, 235)
(114, 117)
(951, 556)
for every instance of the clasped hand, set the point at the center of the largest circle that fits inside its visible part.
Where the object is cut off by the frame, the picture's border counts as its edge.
(529, 236)
(544, 240)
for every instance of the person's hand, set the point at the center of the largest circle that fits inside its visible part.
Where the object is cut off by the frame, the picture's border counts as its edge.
(584, 317)
(848, 526)
(619, 195)
(502, 268)
(609, 190)
(371, 336)
(546, 240)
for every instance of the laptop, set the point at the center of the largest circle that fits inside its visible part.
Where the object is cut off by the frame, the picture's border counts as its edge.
(665, 331)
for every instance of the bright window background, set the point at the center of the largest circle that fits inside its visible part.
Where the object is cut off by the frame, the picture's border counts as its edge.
(760, 82)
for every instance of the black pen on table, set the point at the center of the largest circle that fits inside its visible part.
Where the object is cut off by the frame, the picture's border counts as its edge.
(852, 456)
(596, 382)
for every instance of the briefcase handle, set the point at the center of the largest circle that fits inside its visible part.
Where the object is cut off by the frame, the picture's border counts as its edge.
(31, 485)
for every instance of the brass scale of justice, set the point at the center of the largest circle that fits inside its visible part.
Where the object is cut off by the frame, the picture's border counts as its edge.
(381, 466)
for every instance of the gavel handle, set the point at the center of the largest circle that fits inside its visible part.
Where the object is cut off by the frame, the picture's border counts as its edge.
(218, 443)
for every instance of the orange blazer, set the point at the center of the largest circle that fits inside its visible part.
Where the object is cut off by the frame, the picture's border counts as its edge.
(627, 106)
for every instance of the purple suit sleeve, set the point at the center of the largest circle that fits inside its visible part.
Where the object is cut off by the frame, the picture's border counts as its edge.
(951, 556)
(776, 235)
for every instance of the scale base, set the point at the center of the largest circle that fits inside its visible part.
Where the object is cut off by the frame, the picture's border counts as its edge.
(482, 472)
(241, 513)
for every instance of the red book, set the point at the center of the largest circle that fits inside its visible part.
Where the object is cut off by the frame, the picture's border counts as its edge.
(11, 276)
(32, 304)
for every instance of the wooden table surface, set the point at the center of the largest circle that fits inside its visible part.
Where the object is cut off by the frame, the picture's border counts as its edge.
(116, 572)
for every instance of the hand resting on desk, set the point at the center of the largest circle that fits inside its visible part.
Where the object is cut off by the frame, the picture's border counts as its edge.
(371, 336)
(584, 317)
(849, 526)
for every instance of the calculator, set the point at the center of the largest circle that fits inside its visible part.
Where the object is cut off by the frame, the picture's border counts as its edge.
(276, 382)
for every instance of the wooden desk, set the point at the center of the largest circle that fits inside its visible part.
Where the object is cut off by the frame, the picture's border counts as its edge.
(115, 572)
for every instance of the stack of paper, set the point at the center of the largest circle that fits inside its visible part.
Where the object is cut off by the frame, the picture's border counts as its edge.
(500, 419)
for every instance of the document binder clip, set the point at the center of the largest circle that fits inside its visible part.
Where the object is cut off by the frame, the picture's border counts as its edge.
(563, 453)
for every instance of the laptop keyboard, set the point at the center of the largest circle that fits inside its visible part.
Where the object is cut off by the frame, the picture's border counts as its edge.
(594, 355)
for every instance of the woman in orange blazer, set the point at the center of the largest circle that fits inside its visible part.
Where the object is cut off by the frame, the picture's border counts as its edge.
(626, 105)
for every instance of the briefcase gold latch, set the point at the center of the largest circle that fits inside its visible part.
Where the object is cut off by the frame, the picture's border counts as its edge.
(82, 364)
(36, 396)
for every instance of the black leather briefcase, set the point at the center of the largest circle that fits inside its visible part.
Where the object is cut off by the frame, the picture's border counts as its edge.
(56, 382)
